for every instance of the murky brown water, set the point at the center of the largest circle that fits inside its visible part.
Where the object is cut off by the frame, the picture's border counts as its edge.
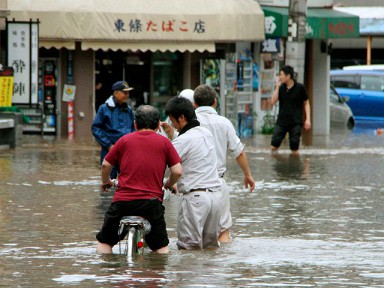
(313, 221)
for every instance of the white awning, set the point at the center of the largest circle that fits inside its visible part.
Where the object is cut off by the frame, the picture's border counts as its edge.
(149, 46)
(371, 19)
(198, 22)
(70, 45)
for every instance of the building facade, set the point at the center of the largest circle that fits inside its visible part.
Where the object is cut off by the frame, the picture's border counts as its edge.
(157, 46)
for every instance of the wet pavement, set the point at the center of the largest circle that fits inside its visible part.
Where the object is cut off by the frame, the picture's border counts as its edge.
(313, 221)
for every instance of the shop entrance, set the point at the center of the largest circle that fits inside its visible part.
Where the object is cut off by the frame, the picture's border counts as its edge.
(156, 76)
(115, 66)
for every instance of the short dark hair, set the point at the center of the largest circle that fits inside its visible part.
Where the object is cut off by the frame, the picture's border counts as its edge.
(288, 70)
(147, 117)
(178, 106)
(204, 95)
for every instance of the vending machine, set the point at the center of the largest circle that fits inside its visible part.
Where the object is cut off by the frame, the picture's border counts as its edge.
(49, 92)
(233, 79)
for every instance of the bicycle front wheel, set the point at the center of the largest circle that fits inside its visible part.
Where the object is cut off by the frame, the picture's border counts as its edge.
(131, 242)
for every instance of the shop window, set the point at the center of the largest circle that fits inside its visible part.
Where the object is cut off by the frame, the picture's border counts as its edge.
(167, 77)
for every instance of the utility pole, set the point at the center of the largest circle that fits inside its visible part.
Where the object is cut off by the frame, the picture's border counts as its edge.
(295, 48)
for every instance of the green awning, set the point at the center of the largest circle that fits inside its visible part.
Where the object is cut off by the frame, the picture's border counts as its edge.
(321, 23)
(276, 21)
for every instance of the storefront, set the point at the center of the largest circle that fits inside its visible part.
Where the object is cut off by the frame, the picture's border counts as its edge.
(155, 45)
(322, 26)
(371, 34)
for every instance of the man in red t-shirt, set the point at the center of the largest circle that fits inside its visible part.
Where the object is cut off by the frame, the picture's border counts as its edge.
(143, 157)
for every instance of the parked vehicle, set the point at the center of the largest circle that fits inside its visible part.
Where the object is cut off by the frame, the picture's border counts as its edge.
(365, 67)
(365, 90)
(341, 113)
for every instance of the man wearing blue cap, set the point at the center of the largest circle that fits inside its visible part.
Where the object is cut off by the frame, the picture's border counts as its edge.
(113, 120)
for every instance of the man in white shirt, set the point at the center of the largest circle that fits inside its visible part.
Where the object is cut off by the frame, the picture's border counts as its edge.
(198, 223)
(166, 129)
(226, 142)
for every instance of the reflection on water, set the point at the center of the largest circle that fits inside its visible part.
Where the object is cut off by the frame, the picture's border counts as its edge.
(291, 166)
(313, 221)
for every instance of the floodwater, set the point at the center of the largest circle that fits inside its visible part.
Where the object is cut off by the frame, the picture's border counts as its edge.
(312, 221)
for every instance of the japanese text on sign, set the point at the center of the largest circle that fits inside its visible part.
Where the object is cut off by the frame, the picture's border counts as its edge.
(6, 86)
(138, 26)
(23, 57)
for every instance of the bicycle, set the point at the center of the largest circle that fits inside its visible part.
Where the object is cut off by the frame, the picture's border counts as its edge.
(132, 229)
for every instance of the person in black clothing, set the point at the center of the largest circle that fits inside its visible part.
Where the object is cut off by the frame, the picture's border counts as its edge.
(100, 94)
(293, 103)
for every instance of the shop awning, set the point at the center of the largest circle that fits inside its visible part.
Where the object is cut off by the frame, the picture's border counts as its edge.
(70, 45)
(322, 23)
(96, 23)
(149, 46)
(371, 19)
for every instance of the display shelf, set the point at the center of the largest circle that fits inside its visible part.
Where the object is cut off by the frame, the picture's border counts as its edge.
(30, 128)
(230, 86)
(239, 90)
(244, 95)
(49, 129)
(35, 122)
(34, 116)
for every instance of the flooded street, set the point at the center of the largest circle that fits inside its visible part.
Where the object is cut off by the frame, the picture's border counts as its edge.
(312, 221)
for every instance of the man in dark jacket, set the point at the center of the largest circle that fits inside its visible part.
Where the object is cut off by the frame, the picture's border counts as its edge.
(113, 120)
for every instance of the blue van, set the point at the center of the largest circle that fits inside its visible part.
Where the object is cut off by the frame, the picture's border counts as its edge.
(364, 90)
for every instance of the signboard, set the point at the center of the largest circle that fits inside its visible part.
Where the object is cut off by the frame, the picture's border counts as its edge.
(19, 46)
(6, 86)
(270, 45)
(137, 20)
(71, 120)
(34, 62)
(69, 93)
(23, 58)
(321, 23)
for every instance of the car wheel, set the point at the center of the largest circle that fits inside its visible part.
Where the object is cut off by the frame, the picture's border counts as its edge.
(351, 123)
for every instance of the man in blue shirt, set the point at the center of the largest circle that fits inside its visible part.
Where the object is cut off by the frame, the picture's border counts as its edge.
(113, 120)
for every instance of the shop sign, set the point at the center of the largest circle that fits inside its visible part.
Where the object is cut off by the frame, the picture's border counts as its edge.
(320, 23)
(331, 28)
(276, 22)
(69, 92)
(71, 121)
(163, 26)
(6, 86)
(270, 25)
(23, 58)
(270, 46)
(309, 30)
(34, 62)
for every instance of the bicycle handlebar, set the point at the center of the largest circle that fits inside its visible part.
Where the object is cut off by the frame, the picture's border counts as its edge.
(108, 188)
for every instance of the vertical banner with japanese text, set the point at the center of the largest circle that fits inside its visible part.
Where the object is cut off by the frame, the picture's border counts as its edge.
(69, 96)
(6, 86)
(71, 119)
(23, 58)
(34, 62)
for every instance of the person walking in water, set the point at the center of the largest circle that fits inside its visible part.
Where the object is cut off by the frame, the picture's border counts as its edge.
(198, 222)
(226, 144)
(293, 107)
(142, 157)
